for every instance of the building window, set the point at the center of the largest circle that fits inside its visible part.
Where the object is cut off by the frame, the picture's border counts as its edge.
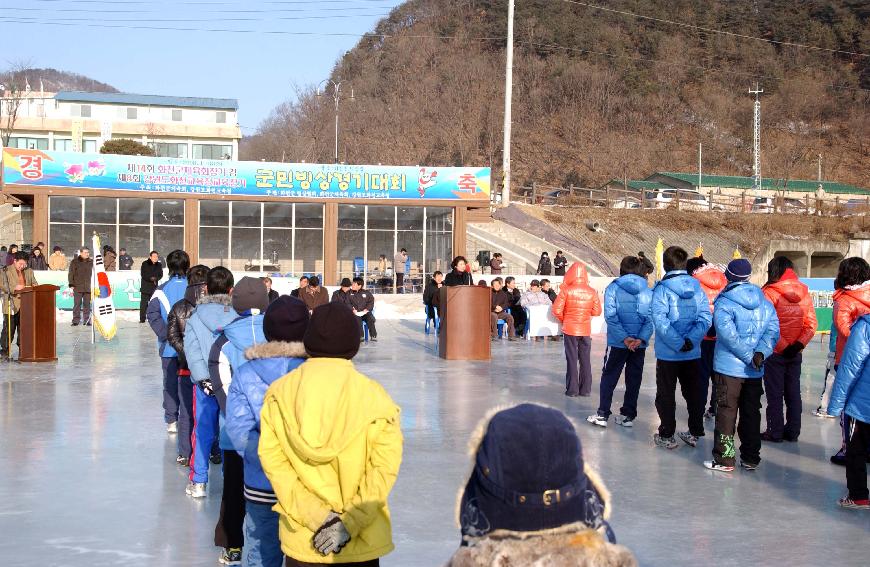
(271, 237)
(24, 143)
(176, 115)
(169, 149)
(80, 110)
(212, 151)
(221, 117)
(139, 225)
(132, 113)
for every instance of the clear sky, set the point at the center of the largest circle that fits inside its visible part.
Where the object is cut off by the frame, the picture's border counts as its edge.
(125, 43)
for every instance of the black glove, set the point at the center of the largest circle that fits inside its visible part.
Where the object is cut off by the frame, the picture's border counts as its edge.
(206, 387)
(758, 360)
(792, 350)
(687, 346)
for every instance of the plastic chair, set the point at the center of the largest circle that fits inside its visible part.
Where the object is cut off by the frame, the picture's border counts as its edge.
(358, 266)
(501, 325)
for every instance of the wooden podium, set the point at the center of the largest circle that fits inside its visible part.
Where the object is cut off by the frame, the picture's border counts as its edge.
(38, 320)
(465, 333)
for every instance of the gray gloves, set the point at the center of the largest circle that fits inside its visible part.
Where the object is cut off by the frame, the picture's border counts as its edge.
(332, 535)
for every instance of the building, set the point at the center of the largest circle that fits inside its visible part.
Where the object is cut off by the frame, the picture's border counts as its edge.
(334, 220)
(177, 127)
(770, 187)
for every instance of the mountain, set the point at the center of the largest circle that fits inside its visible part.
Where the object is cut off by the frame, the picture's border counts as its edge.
(598, 93)
(54, 80)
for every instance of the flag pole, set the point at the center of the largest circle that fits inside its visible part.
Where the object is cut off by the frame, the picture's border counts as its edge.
(93, 281)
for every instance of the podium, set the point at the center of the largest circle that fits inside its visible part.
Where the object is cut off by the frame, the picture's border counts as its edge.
(38, 320)
(465, 333)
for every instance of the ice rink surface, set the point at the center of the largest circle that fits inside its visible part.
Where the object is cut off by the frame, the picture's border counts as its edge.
(88, 474)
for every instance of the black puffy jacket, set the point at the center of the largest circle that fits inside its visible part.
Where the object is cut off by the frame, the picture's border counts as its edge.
(177, 321)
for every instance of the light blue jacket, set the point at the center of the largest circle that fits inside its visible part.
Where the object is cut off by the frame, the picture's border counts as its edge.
(212, 313)
(165, 296)
(746, 323)
(680, 310)
(851, 389)
(627, 310)
(267, 362)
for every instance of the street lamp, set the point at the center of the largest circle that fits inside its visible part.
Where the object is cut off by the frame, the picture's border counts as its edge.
(336, 96)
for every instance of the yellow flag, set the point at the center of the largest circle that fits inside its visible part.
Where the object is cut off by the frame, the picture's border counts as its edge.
(699, 251)
(736, 255)
(660, 259)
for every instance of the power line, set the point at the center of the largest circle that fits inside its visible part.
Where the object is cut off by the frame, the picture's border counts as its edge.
(26, 19)
(711, 30)
(214, 10)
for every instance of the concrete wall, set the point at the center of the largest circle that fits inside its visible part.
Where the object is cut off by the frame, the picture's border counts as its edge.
(812, 258)
(15, 227)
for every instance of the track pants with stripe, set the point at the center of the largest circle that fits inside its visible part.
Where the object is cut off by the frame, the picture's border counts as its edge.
(205, 432)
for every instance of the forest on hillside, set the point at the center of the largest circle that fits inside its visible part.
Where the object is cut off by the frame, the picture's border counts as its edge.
(598, 93)
(50, 80)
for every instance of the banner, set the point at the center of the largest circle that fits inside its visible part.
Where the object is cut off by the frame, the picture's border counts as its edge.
(105, 133)
(36, 168)
(77, 134)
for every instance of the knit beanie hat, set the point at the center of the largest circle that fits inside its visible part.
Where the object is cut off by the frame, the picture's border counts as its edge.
(738, 270)
(529, 475)
(250, 293)
(333, 332)
(286, 319)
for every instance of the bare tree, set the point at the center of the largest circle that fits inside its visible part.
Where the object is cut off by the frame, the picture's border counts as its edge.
(14, 89)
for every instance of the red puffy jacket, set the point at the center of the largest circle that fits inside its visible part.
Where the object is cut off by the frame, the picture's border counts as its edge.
(794, 307)
(577, 302)
(849, 305)
(713, 281)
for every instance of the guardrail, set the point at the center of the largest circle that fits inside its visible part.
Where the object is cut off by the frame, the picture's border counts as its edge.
(692, 200)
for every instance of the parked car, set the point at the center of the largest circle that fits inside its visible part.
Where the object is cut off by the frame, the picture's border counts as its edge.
(856, 207)
(787, 205)
(626, 203)
(689, 199)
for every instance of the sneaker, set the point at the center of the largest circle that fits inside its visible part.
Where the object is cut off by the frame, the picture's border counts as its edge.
(183, 461)
(172, 428)
(598, 420)
(748, 466)
(231, 556)
(847, 502)
(766, 436)
(688, 438)
(196, 489)
(216, 459)
(374, 339)
(666, 442)
(709, 415)
(624, 421)
(714, 466)
(75, 324)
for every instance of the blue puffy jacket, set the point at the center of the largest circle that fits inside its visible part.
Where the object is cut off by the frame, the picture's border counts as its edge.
(626, 310)
(212, 313)
(157, 313)
(267, 363)
(851, 389)
(680, 310)
(746, 323)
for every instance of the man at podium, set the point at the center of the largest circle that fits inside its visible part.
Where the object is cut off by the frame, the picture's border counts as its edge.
(13, 278)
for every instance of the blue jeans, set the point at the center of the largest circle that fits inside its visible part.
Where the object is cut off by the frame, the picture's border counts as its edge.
(262, 546)
(614, 360)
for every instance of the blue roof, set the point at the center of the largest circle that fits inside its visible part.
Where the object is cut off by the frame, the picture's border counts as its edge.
(149, 100)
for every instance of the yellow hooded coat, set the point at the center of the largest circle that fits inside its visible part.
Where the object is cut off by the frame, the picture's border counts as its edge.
(331, 441)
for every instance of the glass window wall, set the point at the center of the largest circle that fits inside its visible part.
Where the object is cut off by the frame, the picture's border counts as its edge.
(139, 225)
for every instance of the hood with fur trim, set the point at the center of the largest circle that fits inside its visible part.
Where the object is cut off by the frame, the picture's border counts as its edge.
(574, 545)
(218, 299)
(276, 349)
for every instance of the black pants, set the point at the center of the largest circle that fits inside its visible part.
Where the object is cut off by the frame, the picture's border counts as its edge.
(288, 562)
(578, 377)
(519, 315)
(400, 282)
(503, 316)
(705, 367)
(737, 396)
(143, 303)
(81, 306)
(170, 388)
(782, 380)
(614, 360)
(11, 330)
(185, 415)
(856, 459)
(229, 531)
(370, 322)
(668, 373)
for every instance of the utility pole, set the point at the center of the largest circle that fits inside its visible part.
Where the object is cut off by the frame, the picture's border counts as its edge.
(820, 171)
(756, 139)
(508, 95)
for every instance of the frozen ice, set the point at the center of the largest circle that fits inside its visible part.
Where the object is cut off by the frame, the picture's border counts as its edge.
(87, 472)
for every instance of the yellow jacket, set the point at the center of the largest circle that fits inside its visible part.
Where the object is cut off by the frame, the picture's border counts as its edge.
(330, 440)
